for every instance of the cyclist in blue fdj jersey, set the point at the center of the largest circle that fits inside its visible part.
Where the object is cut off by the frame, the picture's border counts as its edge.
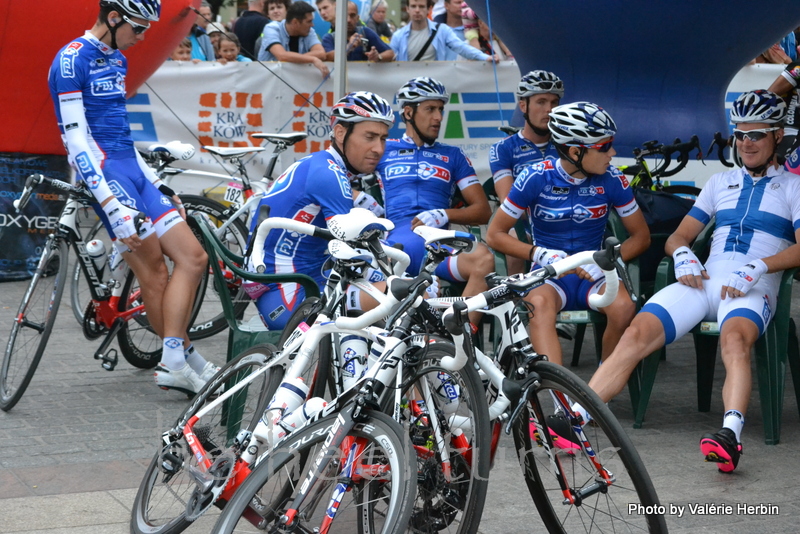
(567, 202)
(757, 210)
(418, 179)
(87, 83)
(313, 190)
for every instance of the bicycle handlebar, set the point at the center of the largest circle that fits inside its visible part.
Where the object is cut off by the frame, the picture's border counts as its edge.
(35, 180)
(721, 144)
(683, 150)
(399, 290)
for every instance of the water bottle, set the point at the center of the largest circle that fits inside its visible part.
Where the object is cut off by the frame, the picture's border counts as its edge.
(116, 266)
(291, 394)
(289, 422)
(354, 359)
(97, 253)
(446, 390)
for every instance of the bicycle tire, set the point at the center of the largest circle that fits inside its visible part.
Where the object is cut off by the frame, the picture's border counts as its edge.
(160, 504)
(682, 190)
(275, 479)
(603, 511)
(79, 294)
(210, 320)
(36, 316)
(457, 506)
(138, 342)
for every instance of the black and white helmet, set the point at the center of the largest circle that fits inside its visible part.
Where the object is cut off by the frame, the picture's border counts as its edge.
(143, 9)
(362, 106)
(580, 123)
(758, 106)
(421, 89)
(538, 82)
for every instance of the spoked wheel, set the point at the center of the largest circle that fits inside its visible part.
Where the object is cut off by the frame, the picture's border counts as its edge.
(33, 323)
(138, 341)
(210, 320)
(448, 423)
(376, 460)
(168, 493)
(594, 500)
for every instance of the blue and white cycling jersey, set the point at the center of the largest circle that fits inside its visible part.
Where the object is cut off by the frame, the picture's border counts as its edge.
(753, 219)
(567, 213)
(509, 156)
(312, 190)
(96, 72)
(415, 179)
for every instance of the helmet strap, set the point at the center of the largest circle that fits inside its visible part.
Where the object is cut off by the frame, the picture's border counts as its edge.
(341, 151)
(113, 31)
(563, 151)
(410, 120)
(542, 132)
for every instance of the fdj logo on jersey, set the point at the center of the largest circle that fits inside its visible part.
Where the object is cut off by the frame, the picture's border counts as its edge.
(344, 183)
(287, 244)
(578, 213)
(426, 171)
(87, 170)
(109, 85)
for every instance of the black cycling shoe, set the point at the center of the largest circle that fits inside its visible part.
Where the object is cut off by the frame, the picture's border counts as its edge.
(722, 448)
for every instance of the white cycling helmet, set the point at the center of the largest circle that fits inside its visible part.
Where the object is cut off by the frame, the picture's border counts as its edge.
(362, 106)
(580, 123)
(539, 82)
(421, 89)
(758, 106)
(143, 9)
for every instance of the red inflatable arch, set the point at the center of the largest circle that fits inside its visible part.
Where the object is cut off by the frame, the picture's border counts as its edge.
(30, 35)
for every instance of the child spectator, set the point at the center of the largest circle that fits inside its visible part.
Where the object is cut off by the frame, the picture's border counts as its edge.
(276, 9)
(183, 52)
(229, 48)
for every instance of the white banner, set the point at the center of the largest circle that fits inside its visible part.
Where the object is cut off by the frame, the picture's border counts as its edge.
(213, 104)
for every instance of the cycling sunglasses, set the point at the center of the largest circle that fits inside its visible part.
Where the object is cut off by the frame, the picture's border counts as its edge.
(137, 28)
(547, 85)
(605, 146)
(753, 135)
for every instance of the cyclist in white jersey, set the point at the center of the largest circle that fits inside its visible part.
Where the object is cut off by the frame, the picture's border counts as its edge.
(757, 210)
(87, 84)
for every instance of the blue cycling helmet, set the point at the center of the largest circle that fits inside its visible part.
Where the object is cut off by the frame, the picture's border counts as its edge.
(758, 106)
(580, 123)
(144, 9)
(539, 82)
(421, 89)
(362, 106)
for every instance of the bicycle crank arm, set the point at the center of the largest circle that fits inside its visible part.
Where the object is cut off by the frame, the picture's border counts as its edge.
(110, 358)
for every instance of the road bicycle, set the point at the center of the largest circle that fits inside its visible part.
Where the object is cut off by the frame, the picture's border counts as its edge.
(643, 176)
(113, 311)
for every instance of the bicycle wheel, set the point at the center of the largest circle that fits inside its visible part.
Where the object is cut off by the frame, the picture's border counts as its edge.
(447, 502)
(79, 294)
(138, 342)
(210, 319)
(33, 323)
(383, 466)
(167, 488)
(607, 509)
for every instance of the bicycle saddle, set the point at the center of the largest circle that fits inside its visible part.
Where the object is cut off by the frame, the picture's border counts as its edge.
(342, 251)
(287, 139)
(176, 149)
(354, 225)
(437, 238)
(233, 151)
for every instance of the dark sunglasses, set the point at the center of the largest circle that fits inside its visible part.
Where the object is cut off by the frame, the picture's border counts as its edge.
(753, 135)
(137, 28)
(605, 146)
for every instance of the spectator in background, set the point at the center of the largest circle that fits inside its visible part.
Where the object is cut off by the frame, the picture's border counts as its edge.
(229, 48)
(377, 21)
(774, 54)
(292, 39)
(277, 9)
(452, 17)
(363, 44)
(789, 45)
(183, 52)
(249, 27)
(327, 12)
(424, 40)
(202, 49)
(490, 43)
(214, 31)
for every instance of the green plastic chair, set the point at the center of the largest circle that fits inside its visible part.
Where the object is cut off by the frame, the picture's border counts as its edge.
(242, 336)
(772, 351)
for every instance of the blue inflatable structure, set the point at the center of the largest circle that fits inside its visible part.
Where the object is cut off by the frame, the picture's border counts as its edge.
(660, 67)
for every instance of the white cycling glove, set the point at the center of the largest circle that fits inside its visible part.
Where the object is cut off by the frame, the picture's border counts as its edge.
(746, 276)
(594, 271)
(434, 218)
(545, 256)
(433, 289)
(121, 219)
(686, 263)
(367, 201)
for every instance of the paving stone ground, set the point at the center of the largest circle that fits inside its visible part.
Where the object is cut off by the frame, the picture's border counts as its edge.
(74, 449)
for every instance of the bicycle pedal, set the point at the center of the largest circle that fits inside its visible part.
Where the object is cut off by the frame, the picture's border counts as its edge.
(110, 359)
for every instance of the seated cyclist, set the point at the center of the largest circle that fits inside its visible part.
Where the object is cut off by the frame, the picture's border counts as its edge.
(757, 210)
(418, 177)
(87, 84)
(313, 190)
(567, 202)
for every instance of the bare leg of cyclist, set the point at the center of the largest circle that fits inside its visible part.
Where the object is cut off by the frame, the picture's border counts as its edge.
(619, 315)
(148, 265)
(473, 268)
(547, 303)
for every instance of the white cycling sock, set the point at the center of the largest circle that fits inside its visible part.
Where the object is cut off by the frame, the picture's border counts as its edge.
(734, 420)
(172, 354)
(194, 359)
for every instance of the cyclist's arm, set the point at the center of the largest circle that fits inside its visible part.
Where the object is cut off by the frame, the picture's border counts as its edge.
(477, 211)
(787, 80)
(684, 235)
(498, 238)
(639, 236)
(503, 185)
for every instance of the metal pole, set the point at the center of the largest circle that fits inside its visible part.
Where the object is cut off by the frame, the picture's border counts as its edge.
(340, 47)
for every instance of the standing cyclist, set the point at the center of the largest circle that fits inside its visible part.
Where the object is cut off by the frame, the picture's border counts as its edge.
(313, 190)
(87, 83)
